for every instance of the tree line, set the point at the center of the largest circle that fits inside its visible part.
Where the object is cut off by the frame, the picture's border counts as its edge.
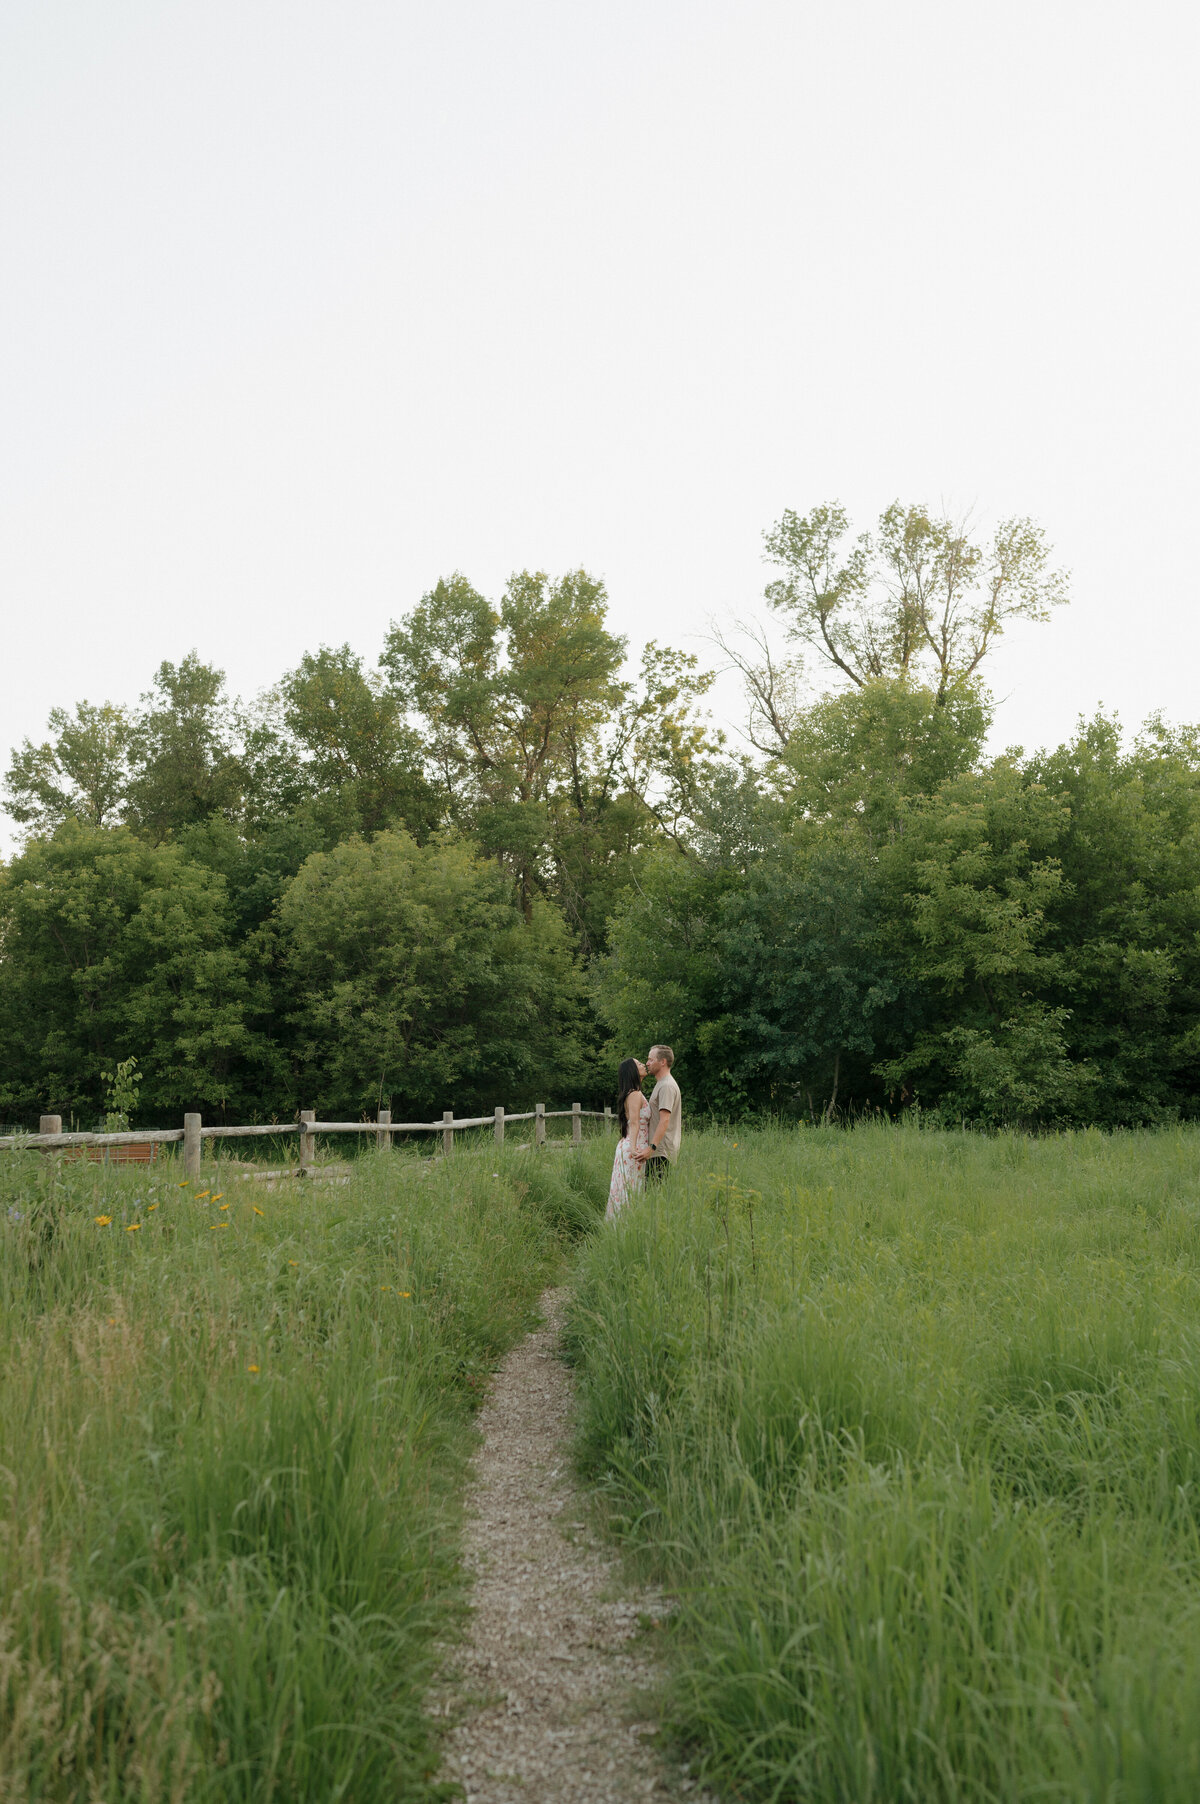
(469, 872)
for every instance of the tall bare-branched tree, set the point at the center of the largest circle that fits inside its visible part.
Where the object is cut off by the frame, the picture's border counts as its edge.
(917, 599)
(773, 683)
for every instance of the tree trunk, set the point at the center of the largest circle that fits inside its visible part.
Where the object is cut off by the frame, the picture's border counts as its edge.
(832, 1103)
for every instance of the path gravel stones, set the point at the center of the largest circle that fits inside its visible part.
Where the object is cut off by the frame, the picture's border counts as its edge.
(547, 1681)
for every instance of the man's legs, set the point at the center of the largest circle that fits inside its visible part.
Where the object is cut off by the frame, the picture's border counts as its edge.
(656, 1170)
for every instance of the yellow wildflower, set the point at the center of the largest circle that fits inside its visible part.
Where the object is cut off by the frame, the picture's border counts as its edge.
(404, 1293)
(151, 1206)
(252, 1368)
(184, 1184)
(133, 1227)
(224, 1205)
(254, 1206)
(102, 1221)
(385, 1287)
(200, 1194)
(293, 1262)
(217, 1195)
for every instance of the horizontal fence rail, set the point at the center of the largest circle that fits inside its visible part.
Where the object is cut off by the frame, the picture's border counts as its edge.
(50, 1137)
(142, 1137)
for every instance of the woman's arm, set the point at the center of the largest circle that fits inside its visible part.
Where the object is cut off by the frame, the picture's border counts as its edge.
(655, 1134)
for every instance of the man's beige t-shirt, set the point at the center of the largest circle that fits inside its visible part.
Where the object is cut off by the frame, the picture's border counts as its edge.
(665, 1095)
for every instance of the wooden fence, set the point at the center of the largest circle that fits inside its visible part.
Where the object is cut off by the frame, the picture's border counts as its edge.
(193, 1133)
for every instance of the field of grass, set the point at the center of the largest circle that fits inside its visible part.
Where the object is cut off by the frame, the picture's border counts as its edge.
(910, 1421)
(233, 1426)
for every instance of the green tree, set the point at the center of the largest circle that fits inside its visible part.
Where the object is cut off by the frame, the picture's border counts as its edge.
(763, 961)
(664, 975)
(972, 879)
(642, 786)
(1126, 932)
(354, 756)
(81, 771)
(1015, 1072)
(859, 757)
(184, 754)
(510, 700)
(808, 986)
(555, 763)
(917, 599)
(112, 948)
(257, 864)
(507, 695)
(419, 982)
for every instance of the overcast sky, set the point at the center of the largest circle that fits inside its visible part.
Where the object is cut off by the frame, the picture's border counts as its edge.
(305, 304)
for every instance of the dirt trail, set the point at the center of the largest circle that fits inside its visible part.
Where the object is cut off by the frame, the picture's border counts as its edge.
(549, 1669)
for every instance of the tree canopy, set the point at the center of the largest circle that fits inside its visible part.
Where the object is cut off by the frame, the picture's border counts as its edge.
(916, 599)
(507, 852)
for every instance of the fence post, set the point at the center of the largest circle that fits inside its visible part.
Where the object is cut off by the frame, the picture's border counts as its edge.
(50, 1124)
(191, 1146)
(608, 1116)
(308, 1144)
(500, 1126)
(539, 1124)
(384, 1119)
(576, 1124)
(447, 1130)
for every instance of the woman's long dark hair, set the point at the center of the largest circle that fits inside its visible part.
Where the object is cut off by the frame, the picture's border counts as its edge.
(629, 1078)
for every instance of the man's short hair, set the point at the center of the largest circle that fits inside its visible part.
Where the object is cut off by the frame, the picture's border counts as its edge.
(663, 1052)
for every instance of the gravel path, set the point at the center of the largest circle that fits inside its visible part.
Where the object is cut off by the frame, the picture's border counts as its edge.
(545, 1695)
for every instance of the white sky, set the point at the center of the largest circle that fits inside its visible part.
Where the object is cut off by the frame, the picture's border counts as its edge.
(304, 304)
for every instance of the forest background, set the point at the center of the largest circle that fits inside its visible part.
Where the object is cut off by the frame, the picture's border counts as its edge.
(480, 869)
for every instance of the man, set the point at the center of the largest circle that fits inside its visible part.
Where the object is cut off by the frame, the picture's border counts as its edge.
(666, 1116)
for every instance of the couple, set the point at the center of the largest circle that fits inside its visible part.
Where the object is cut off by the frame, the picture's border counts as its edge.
(650, 1130)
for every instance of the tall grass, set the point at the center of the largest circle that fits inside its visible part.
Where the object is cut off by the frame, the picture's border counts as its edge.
(232, 1432)
(911, 1422)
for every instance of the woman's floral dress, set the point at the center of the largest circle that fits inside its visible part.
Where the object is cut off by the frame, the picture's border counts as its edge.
(628, 1177)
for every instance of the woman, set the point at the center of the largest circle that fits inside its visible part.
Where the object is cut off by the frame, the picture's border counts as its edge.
(633, 1115)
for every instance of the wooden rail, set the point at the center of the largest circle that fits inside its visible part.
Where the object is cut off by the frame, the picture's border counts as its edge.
(50, 1137)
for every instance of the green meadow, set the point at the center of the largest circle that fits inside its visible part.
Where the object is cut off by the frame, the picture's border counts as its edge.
(907, 1421)
(233, 1427)
(910, 1423)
